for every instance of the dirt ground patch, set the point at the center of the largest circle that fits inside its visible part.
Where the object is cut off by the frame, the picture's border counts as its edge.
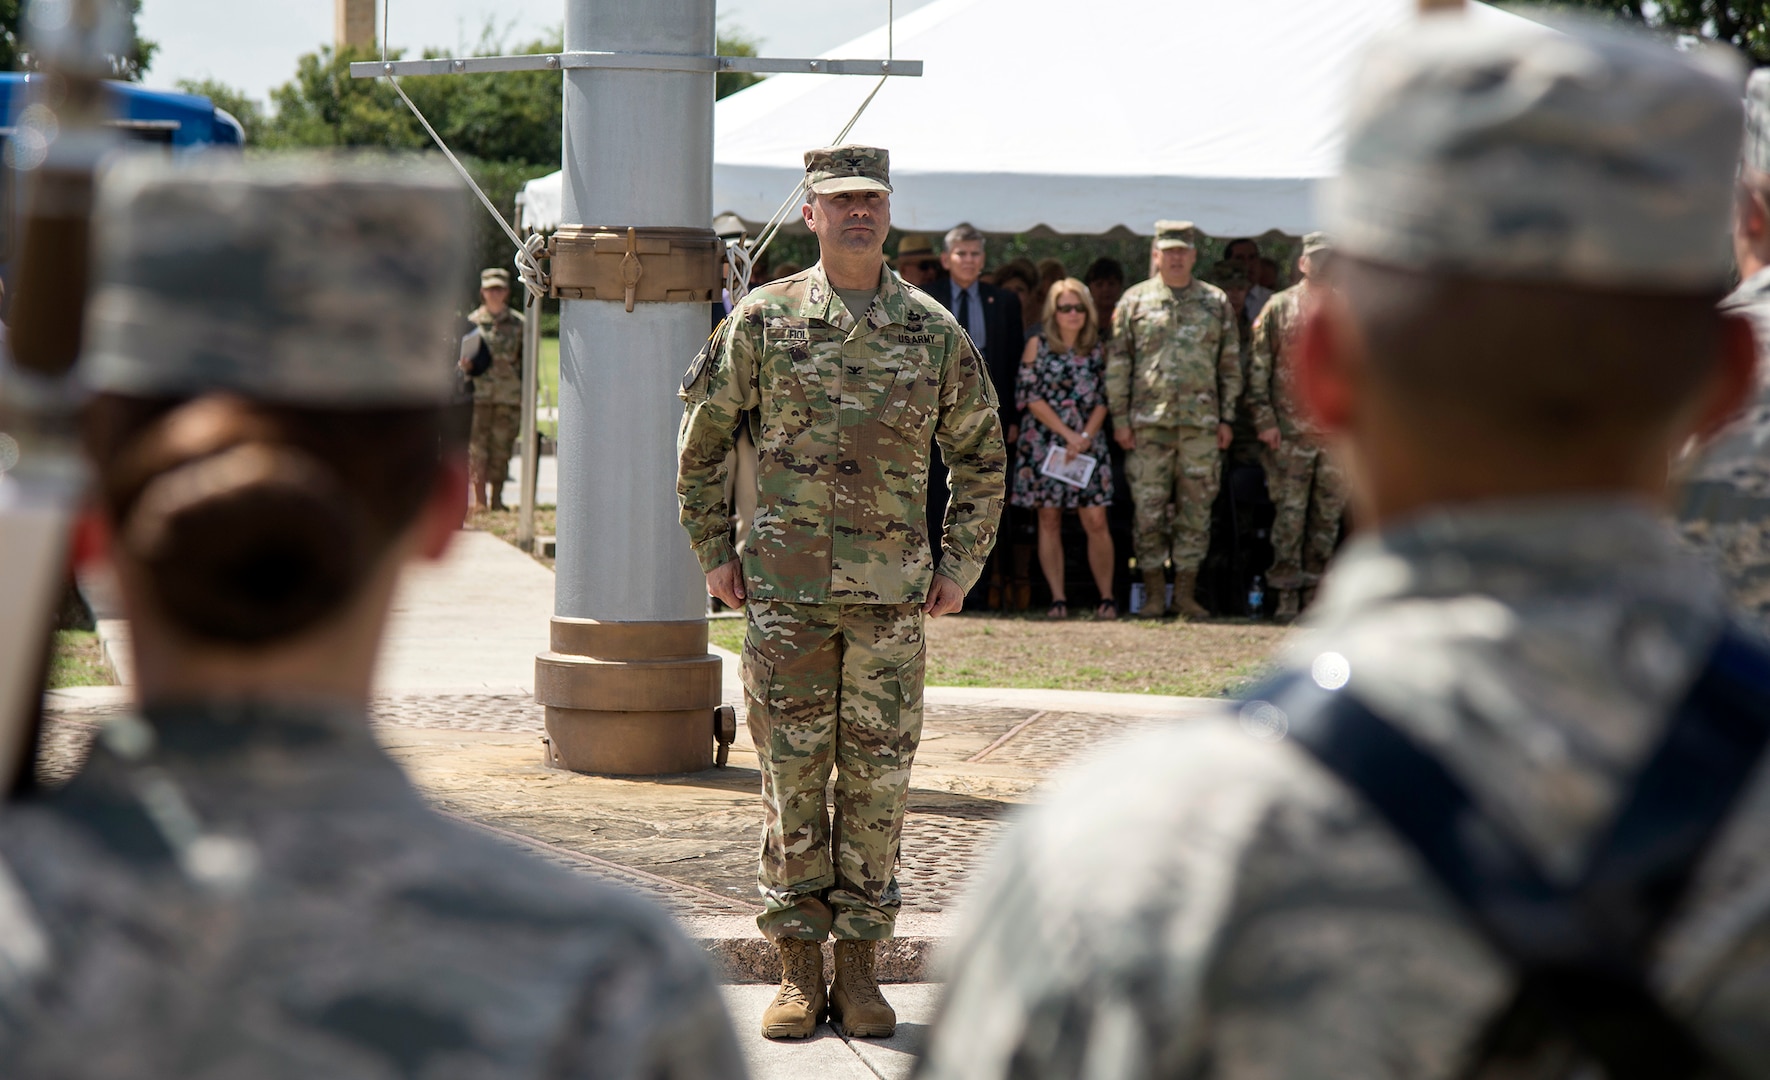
(1130, 656)
(502, 524)
(1210, 659)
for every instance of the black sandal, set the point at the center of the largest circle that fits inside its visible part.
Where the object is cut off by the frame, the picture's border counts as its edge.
(1059, 610)
(1107, 611)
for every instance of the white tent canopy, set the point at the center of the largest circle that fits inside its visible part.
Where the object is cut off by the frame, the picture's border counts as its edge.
(1076, 117)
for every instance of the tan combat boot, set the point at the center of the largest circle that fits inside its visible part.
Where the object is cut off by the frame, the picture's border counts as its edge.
(855, 1000)
(1288, 607)
(1155, 595)
(799, 1004)
(1185, 584)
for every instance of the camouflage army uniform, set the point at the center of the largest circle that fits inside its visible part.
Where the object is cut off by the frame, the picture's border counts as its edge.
(1307, 487)
(247, 886)
(497, 398)
(256, 890)
(1258, 917)
(1173, 372)
(838, 564)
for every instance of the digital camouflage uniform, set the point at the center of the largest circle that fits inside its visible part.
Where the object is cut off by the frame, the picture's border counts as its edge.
(1306, 485)
(838, 564)
(1725, 507)
(251, 887)
(497, 398)
(232, 890)
(1173, 372)
(1260, 918)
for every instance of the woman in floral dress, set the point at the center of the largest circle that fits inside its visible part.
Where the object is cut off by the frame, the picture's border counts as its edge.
(1062, 388)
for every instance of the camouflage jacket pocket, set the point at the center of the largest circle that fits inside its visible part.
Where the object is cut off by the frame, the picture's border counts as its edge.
(911, 397)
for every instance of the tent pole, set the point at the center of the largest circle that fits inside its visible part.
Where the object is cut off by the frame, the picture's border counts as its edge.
(531, 455)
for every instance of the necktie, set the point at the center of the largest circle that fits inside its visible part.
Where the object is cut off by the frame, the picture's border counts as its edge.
(964, 312)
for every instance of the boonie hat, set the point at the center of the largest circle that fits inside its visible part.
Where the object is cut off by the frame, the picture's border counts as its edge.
(1501, 149)
(1175, 234)
(835, 169)
(304, 281)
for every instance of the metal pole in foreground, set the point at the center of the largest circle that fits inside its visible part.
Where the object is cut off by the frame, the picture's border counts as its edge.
(629, 686)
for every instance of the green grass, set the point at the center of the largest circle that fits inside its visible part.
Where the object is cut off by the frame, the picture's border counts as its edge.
(549, 395)
(727, 633)
(78, 660)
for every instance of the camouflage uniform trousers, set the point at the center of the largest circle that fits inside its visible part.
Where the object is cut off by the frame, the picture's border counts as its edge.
(832, 685)
(1308, 491)
(495, 430)
(1181, 467)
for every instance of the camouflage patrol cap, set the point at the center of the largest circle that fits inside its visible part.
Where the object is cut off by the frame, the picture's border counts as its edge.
(1175, 234)
(306, 281)
(847, 168)
(1317, 241)
(1757, 121)
(1504, 150)
(494, 277)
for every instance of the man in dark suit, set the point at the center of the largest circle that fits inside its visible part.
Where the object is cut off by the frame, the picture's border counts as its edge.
(992, 317)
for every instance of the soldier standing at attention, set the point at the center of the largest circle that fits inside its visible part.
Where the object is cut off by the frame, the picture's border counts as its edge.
(1503, 810)
(497, 395)
(1307, 487)
(849, 375)
(1726, 502)
(239, 882)
(1173, 379)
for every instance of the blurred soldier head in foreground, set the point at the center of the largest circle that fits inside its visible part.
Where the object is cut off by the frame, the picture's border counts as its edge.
(267, 441)
(1530, 240)
(1528, 279)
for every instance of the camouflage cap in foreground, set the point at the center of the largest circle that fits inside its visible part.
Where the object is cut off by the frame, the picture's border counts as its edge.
(1317, 241)
(1175, 234)
(1584, 155)
(1757, 121)
(836, 169)
(307, 281)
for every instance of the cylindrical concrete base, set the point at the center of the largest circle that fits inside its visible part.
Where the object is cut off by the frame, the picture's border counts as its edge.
(629, 699)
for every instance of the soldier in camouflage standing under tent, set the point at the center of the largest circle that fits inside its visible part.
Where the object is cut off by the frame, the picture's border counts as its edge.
(497, 394)
(1726, 502)
(1305, 483)
(1503, 810)
(1173, 380)
(239, 881)
(850, 375)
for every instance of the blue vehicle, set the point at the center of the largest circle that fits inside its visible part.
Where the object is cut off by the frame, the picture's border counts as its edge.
(179, 122)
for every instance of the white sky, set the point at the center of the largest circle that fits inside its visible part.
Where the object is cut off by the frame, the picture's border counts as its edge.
(253, 44)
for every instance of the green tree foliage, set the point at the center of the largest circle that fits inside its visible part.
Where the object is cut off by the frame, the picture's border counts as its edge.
(12, 45)
(727, 83)
(1744, 24)
(242, 108)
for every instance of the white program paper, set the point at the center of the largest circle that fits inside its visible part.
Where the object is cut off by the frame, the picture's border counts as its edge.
(1076, 473)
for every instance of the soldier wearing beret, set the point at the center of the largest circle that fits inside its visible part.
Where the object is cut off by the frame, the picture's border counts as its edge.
(1501, 811)
(240, 882)
(1173, 381)
(497, 394)
(1725, 506)
(1307, 487)
(849, 375)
